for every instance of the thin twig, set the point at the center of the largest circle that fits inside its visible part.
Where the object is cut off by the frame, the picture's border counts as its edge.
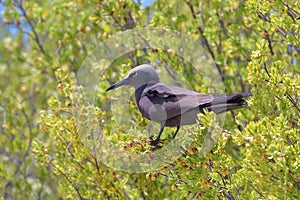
(68, 179)
(249, 183)
(19, 4)
(267, 37)
(204, 39)
(290, 98)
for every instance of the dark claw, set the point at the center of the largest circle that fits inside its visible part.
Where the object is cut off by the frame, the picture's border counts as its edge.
(154, 142)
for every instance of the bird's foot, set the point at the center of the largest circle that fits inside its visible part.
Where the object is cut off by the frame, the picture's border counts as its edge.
(156, 146)
(154, 142)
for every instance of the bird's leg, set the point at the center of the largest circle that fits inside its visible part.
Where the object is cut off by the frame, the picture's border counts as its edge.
(154, 142)
(177, 129)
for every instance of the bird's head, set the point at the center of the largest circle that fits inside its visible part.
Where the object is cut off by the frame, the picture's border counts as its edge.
(137, 77)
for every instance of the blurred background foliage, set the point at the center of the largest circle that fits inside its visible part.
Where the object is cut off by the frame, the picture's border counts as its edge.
(255, 45)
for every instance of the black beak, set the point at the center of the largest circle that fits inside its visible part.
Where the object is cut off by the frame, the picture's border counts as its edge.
(118, 84)
(113, 86)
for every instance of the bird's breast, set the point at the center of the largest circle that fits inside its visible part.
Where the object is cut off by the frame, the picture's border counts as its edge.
(152, 111)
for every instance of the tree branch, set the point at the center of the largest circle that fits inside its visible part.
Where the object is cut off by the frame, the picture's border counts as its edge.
(68, 179)
(19, 5)
(204, 39)
(258, 192)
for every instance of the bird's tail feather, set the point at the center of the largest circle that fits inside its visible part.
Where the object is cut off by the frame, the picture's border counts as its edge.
(230, 98)
(223, 103)
(219, 108)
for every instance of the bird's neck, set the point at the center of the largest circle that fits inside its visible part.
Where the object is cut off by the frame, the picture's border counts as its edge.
(138, 92)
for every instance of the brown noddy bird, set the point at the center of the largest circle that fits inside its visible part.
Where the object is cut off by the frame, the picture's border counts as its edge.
(173, 106)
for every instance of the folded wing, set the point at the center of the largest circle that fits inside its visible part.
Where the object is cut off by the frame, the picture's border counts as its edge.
(177, 101)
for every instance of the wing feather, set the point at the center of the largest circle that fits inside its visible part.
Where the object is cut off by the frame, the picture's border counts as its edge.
(175, 100)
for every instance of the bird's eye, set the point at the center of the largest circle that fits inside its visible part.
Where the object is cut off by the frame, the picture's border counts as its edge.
(133, 74)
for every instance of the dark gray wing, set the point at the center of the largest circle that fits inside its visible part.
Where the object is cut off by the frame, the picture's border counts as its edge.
(176, 100)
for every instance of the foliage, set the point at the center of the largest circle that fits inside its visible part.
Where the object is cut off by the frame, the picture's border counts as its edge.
(254, 45)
